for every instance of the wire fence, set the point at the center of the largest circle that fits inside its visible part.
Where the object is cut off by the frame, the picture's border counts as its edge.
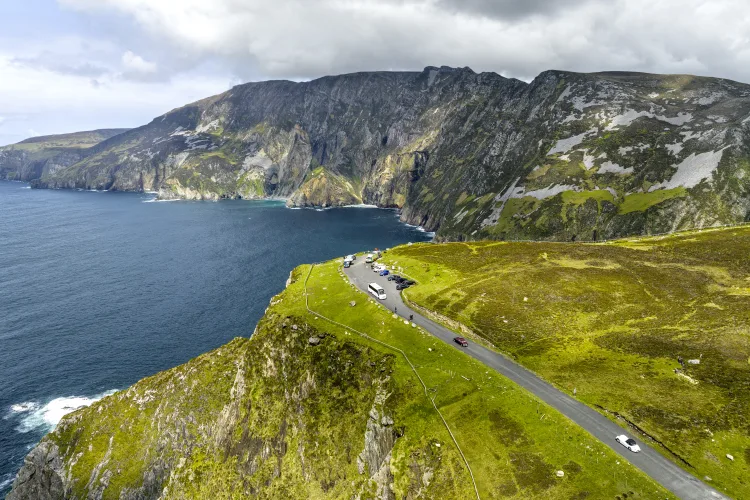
(424, 386)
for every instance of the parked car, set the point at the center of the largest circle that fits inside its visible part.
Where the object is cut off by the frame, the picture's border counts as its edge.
(378, 267)
(402, 286)
(409, 282)
(399, 280)
(370, 257)
(351, 257)
(347, 263)
(393, 277)
(628, 443)
(384, 272)
(461, 341)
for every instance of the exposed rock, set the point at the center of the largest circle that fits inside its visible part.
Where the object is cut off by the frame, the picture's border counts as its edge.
(313, 340)
(376, 456)
(41, 476)
(567, 156)
(154, 439)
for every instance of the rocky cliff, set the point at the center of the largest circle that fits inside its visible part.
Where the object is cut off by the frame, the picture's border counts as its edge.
(567, 156)
(293, 412)
(45, 155)
(307, 409)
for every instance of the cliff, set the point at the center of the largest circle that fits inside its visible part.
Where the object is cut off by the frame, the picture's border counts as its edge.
(306, 409)
(473, 156)
(43, 156)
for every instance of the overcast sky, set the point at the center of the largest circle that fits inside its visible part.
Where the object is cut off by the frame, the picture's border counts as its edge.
(68, 65)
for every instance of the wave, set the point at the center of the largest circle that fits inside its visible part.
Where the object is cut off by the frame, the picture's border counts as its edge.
(34, 416)
(6, 481)
(157, 200)
(360, 205)
(25, 187)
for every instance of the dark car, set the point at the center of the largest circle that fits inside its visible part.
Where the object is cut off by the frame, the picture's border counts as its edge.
(394, 277)
(461, 341)
(402, 286)
(399, 279)
(409, 282)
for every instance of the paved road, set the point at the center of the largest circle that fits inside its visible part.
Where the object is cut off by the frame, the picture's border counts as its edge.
(661, 469)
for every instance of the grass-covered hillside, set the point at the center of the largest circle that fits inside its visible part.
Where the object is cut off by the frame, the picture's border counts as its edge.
(306, 409)
(656, 330)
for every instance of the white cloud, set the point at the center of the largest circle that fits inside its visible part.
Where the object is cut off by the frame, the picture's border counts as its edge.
(41, 101)
(298, 38)
(135, 64)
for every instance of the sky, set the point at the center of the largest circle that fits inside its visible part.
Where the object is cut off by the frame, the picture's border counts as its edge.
(70, 65)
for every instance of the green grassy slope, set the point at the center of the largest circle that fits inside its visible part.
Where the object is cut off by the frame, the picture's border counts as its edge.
(278, 417)
(610, 321)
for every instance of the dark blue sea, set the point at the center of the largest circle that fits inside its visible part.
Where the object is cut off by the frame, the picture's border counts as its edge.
(98, 290)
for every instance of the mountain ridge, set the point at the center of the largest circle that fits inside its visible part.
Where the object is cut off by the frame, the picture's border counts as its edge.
(470, 155)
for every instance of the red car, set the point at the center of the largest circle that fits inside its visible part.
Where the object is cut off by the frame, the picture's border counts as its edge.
(461, 341)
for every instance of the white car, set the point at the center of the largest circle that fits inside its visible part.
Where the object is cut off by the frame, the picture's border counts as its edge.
(378, 267)
(628, 443)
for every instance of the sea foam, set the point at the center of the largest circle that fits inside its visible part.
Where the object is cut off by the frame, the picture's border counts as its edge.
(6, 481)
(35, 416)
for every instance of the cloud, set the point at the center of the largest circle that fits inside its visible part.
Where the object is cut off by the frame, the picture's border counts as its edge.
(66, 55)
(508, 9)
(38, 100)
(47, 61)
(121, 62)
(301, 39)
(136, 67)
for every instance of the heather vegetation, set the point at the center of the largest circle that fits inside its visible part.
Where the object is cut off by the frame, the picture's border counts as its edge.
(655, 330)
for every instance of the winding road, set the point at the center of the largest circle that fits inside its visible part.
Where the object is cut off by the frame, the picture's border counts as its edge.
(650, 461)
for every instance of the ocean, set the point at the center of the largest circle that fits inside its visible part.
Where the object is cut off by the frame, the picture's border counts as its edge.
(98, 289)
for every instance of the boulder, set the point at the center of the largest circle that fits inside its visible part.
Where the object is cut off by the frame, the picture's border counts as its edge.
(313, 340)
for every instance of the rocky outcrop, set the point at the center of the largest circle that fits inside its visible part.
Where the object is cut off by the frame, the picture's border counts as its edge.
(293, 412)
(379, 440)
(42, 475)
(567, 156)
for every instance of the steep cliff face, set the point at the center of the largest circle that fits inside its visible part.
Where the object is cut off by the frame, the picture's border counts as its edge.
(292, 413)
(568, 156)
(39, 156)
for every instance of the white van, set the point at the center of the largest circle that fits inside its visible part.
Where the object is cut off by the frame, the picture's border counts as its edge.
(377, 291)
(369, 258)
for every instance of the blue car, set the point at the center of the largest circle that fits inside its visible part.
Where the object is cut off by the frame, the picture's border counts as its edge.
(384, 272)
